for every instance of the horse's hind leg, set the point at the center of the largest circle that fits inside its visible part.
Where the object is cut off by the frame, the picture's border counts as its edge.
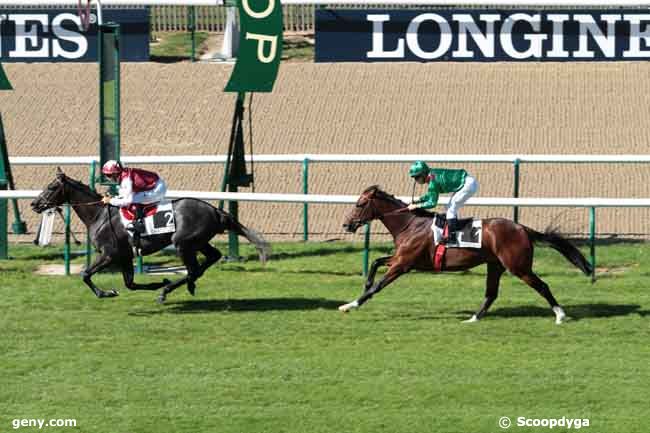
(188, 255)
(541, 287)
(520, 264)
(212, 256)
(494, 272)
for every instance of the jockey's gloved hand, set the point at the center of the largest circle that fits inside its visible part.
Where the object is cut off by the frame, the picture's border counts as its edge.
(412, 206)
(106, 199)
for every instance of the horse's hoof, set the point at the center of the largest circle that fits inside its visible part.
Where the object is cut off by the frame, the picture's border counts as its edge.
(472, 319)
(560, 315)
(108, 294)
(349, 306)
(191, 287)
(561, 320)
(166, 282)
(161, 300)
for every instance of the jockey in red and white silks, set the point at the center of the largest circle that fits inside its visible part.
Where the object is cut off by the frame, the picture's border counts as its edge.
(137, 186)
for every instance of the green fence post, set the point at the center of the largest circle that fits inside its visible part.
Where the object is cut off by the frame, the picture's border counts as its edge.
(592, 241)
(4, 249)
(4, 185)
(4, 178)
(91, 183)
(191, 23)
(305, 206)
(366, 250)
(233, 239)
(515, 193)
(109, 94)
(18, 226)
(66, 245)
(139, 265)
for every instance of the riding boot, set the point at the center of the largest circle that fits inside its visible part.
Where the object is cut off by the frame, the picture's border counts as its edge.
(452, 226)
(138, 224)
(138, 229)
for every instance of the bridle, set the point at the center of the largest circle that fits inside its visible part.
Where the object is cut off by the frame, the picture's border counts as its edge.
(61, 190)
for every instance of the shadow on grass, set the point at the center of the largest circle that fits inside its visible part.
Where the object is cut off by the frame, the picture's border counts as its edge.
(243, 305)
(575, 312)
(168, 256)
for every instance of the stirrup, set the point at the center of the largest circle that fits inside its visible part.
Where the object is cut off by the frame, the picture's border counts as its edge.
(136, 226)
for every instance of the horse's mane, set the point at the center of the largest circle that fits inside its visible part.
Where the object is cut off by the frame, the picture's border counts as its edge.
(381, 194)
(79, 185)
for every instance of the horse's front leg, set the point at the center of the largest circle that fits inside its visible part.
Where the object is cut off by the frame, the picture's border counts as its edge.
(373, 270)
(394, 272)
(100, 263)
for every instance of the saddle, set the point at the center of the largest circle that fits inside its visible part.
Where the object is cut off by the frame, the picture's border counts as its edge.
(441, 221)
(130, 212)
(468, 235)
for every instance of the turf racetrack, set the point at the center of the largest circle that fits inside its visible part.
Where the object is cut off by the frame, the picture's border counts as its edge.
(263, 349)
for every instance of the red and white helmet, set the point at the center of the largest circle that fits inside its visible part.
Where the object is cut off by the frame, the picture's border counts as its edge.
(111, 168)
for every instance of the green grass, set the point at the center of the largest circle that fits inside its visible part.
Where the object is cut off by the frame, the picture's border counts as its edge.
(176, 45)
(263, 349)
(297, 50)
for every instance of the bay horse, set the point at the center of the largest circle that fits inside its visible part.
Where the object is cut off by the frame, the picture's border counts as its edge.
(505, 245)
(196, 223)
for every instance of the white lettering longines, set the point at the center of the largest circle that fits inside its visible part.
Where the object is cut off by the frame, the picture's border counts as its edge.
(539, 35)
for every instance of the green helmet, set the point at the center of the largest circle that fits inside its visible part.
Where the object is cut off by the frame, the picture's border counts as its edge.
(419, 168)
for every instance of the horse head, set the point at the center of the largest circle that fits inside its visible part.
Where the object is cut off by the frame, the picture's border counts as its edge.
(58, 192)
(372, 204)
(53, 195)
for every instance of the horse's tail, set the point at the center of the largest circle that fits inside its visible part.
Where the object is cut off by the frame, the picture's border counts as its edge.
(563, 246)
(262, 246)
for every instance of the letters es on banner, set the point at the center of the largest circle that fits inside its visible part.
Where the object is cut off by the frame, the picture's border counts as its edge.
(57, 35)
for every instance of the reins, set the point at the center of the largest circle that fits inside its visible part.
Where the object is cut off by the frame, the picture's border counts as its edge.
(92, 203)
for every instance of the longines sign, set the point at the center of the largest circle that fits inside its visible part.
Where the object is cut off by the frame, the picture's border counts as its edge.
(34, 35)
(481, 35)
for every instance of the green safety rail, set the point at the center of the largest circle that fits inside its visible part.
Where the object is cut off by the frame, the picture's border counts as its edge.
(109, 93)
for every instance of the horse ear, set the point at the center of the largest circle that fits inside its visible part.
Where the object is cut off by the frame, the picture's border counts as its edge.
(59, 172)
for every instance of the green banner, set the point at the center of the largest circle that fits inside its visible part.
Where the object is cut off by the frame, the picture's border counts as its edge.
(260, 46)
(4, 81)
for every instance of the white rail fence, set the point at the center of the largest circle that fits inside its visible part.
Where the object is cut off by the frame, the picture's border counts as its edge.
(306, 199)
(585, 202)
(591, 203)
(307, 159)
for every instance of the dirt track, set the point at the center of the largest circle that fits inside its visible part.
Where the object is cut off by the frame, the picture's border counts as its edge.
(554, 108)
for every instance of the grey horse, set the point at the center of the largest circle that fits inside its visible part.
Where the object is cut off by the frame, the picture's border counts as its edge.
(196, 223)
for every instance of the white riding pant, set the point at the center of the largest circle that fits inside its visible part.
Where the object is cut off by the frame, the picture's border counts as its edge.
(458, 199)
(153, 195)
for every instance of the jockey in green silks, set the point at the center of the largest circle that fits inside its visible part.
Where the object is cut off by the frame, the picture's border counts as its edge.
(442, 180)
